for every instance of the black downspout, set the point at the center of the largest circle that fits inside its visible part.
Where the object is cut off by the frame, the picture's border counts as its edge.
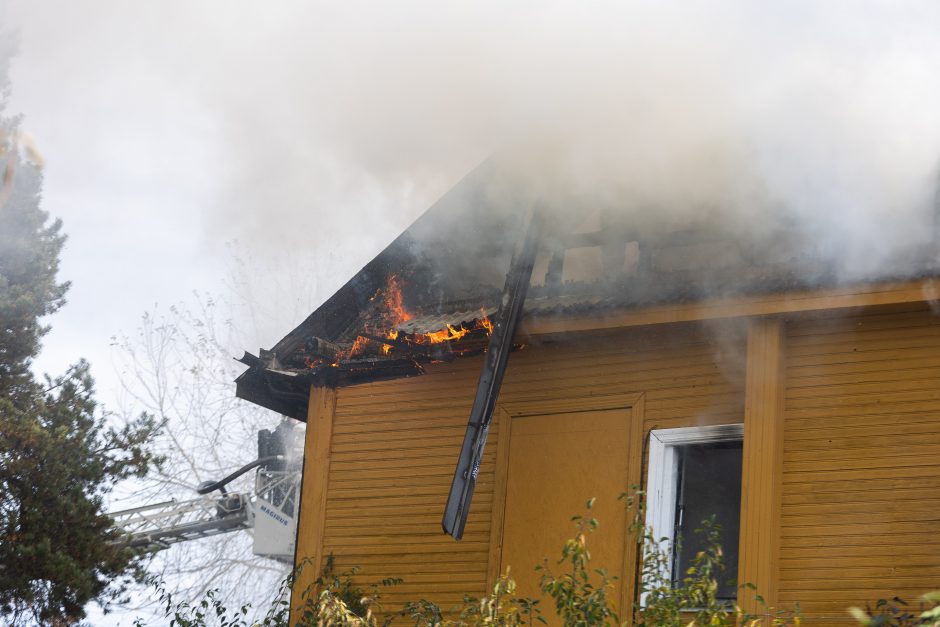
(491, 378)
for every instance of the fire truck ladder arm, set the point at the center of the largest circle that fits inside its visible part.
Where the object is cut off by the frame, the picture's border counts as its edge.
(155, 527)
(269, 510)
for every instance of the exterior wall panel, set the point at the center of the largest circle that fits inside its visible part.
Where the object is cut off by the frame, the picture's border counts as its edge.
(390, 473)
(395, 444)
(861, 461)
(860, 469)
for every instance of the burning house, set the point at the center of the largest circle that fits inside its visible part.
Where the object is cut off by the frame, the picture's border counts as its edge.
(747, 377)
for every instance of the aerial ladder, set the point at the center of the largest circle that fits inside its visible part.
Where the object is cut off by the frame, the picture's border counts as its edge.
(270, 510)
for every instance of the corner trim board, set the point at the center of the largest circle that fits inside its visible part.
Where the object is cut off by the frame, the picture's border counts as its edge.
(312, 513)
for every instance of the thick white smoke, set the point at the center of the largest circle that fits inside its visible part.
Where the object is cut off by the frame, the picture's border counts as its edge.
(827, 114)
(333, 122)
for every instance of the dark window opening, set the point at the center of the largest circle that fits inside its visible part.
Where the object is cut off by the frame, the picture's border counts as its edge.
(709, 485)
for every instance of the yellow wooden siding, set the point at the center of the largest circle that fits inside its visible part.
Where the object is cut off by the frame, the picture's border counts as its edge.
(760, 473)
(861, 510)
(390, 472)
(395, 443)
(313, 493)
(861, 452)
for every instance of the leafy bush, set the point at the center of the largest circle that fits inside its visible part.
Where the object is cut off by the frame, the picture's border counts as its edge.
(663, 604)
(895, 613)
(694, 602)
(582, 596)
(333, 599)
(500, 608)
(211, 610)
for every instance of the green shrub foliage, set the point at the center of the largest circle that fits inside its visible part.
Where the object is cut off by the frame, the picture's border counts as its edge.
(500, 608)
(582, 596)
(897, 613)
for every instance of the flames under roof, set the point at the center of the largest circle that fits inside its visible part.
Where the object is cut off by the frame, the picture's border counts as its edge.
(448, 269)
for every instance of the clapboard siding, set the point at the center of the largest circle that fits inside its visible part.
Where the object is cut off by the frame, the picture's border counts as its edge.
(861, 512)
(395, 443)
(389, 477)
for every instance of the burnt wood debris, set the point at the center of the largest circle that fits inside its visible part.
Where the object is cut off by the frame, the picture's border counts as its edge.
(491, 378)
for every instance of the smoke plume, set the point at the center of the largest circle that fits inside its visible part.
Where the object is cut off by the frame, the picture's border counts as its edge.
(334, 126)
(823, 114)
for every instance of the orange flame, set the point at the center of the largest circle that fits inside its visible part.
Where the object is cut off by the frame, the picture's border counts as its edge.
(485, 322)
(451, 333)
(448, 334)
(358, 346)
(392, 335)
(395, 312)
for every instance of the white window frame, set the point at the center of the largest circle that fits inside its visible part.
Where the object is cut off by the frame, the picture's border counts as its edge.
(663, 475)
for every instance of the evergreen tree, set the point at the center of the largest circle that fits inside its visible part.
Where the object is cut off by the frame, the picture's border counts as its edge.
(29, 261)
(58, 456)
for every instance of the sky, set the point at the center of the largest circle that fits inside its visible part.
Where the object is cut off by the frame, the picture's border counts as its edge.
(186, 139)
(140, 155)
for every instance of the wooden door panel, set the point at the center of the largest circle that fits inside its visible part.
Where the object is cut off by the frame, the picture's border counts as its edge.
(556, 463)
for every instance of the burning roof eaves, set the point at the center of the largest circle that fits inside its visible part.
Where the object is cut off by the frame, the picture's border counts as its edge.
(452, 272)
(283, 387)
(287, 391)
(440, 320)
(434, 257)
